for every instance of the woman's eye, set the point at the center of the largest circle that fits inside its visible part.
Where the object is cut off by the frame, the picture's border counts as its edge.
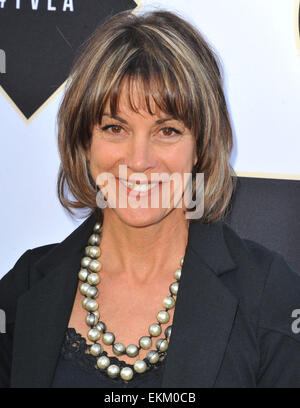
(169, 131)
(116, 129)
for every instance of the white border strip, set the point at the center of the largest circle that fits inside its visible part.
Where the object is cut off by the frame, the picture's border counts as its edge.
(297, 34)
(268, 175)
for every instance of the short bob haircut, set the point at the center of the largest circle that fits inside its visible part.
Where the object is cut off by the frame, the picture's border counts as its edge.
(177, 68)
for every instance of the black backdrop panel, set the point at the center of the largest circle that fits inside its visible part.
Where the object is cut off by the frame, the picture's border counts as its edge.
(268, 211)
(40, 44)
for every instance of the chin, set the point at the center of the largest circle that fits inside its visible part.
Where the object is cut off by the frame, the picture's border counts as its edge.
(141, 217)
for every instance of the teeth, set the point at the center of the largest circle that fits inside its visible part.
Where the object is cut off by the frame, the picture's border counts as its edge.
(138, 187)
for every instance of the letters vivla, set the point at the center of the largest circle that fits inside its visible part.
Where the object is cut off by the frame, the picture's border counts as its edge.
(50, 5)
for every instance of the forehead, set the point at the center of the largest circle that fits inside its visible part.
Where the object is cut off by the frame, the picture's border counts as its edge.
(134, 95)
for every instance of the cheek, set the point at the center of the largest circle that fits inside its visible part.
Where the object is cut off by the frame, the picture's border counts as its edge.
(183, 160)
(102, 155)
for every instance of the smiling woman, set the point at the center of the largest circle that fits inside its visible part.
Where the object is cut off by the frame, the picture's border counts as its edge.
(142, 296)
(161, 69)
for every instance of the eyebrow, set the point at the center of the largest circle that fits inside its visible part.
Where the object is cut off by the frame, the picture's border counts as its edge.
(159, 121)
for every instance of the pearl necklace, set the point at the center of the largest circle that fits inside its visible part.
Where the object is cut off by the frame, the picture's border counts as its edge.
(89, 275)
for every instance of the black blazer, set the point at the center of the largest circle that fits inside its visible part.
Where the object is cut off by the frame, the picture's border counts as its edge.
(232, 327)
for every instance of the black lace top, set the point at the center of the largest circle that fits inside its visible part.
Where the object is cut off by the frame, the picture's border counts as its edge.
(76, 368)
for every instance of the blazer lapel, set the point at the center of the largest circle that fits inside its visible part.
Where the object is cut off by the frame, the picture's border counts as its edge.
(43, 312)
(204, 311)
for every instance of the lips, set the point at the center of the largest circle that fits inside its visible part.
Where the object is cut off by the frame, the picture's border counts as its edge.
(140, 188)
(133, 189)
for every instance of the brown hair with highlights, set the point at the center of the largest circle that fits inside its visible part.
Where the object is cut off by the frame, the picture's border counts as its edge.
(178, 69)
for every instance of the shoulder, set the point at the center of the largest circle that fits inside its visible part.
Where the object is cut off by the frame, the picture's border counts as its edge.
(18, 280)
(243, 250)
(267, 281)
(12, 285)
(268, 290)
(258, 259)
(259, 262)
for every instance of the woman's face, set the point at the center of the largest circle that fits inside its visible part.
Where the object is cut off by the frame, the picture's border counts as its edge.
(146, 144)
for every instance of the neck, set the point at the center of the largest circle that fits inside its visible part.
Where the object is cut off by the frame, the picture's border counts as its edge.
(141, 254)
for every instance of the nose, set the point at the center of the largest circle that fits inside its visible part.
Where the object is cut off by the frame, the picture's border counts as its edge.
(140, 154)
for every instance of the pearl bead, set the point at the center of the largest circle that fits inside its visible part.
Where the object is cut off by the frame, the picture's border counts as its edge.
(177, 274)
(84, 288)
(97, 227)
(85, 261)
(91, 305)
(153, 356)
(92, 292)
(108, 338)
(113, 371)
(126, 373)
(132, 350)
(162, 345)
(163, 316)
(94, 252)
(87, 250)
(145, 342)
(168, 332)
(83, 274)
(84, 302)
(174, 288)
(168, 302)
(103, 362)
(93, 334)
(155, 329)
(118, 349)
(96, 314)
(93, 279)
(182, 260)
(95, 266)
(91, 319)
(140, 366)
(96, 349)
(94, 239)
(101, 326)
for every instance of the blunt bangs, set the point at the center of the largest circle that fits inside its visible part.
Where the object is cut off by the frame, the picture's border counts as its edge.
(160, 77)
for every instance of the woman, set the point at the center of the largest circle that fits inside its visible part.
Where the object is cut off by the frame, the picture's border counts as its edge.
(147, 296)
